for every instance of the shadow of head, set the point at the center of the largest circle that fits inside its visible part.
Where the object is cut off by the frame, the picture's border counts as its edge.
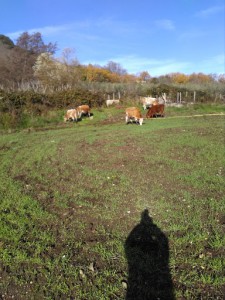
(147, 254)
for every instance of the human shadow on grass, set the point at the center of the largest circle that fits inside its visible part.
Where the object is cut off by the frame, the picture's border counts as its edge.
(147, 254)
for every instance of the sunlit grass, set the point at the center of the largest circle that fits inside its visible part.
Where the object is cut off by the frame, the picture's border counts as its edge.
(71, 196)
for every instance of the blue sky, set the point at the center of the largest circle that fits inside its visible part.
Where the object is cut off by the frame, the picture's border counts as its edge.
(158, 36)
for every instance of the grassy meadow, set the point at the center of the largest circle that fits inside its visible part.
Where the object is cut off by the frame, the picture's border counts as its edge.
(103, 210)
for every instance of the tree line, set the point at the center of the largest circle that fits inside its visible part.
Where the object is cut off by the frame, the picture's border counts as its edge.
(34, 82)
(30, 61)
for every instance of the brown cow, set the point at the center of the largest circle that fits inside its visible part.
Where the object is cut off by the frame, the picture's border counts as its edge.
(84, 110)
(71, 114)
(133, 114)
(155, 111)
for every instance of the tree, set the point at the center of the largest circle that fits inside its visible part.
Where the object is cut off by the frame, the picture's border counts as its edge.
(97, 74)
(115, 68)
(200, 78)
(20, 64)
(46, 69)
(54, 72)
(179, 78)
(15, 63)
(67, 57)
(144, 76)
(6, 41)
(35, 44)
(221, 78)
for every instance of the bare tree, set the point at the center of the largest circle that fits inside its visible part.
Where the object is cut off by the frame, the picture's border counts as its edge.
(115, 68)
(34, 43)
(17, 61)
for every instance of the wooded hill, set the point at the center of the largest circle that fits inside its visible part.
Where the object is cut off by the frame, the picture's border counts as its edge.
(32, 78)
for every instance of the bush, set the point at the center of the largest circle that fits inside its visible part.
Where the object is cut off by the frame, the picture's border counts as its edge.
(64, 99)
(37, 103)
(17, 108)
(6, 120)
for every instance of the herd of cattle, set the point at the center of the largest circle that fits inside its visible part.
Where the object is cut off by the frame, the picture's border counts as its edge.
(155, 108)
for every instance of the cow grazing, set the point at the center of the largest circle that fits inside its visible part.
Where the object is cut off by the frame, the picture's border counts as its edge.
(83, 110)
(110, 102)
(155, 111)
(133, 114)
(71, 114)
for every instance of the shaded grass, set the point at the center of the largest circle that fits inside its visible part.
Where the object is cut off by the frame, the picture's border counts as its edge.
(72, 196)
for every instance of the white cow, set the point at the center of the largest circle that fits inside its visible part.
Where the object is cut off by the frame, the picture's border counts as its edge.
(147, 101)
(110, 102)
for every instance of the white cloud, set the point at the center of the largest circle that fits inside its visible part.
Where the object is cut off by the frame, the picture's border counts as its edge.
(89, 30)
(165, 24)
(210, 11)
(46, 31)
(49, 31)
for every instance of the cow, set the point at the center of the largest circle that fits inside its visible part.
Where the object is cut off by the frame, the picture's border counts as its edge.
(133, 114)
(110, 102)
(71, 114)
(156, 110)
(147, 101)
(84, 110)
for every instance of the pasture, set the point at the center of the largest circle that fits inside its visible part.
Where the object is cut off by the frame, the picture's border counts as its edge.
(102, 210)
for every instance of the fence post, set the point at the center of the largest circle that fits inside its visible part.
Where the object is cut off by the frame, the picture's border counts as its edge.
(194, 96)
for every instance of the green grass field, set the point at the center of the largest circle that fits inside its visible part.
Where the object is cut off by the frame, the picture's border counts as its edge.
(103, 210)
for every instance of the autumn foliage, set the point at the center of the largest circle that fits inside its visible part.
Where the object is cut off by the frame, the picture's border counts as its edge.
(33, 80)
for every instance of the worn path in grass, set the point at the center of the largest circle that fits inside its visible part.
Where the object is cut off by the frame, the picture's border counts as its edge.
(199, 115)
